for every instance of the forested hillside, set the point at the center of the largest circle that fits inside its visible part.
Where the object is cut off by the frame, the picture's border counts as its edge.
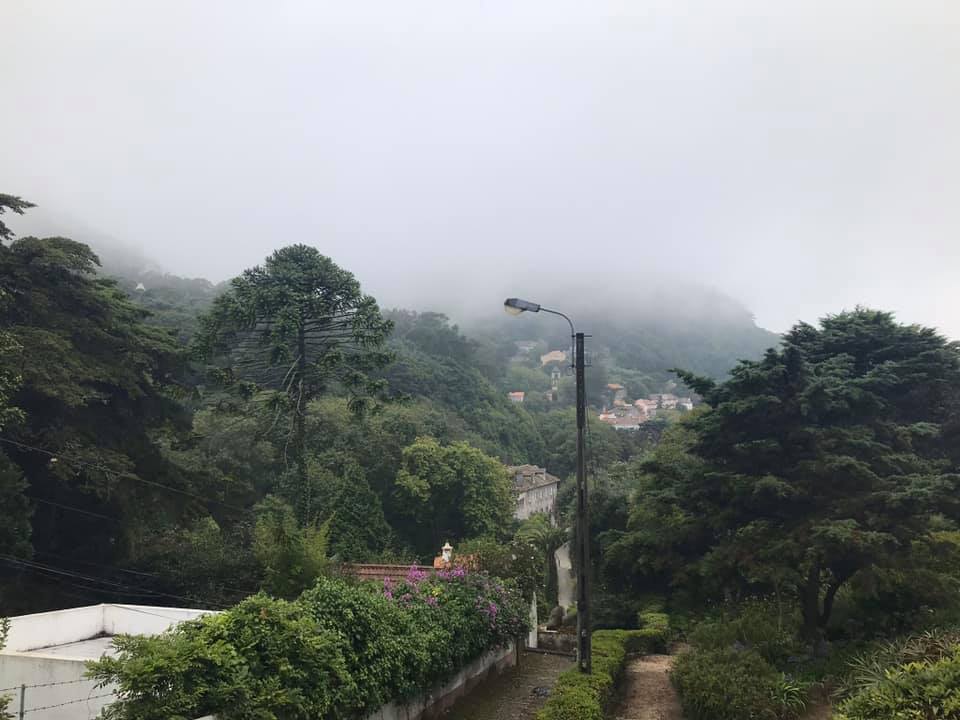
(171, 438)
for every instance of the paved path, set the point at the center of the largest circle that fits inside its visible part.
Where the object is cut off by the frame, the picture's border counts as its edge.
(513, 695)
(566, 585)
(647, 691)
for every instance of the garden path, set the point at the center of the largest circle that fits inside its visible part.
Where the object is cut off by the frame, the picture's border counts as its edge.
(516, 694)
(648, 693)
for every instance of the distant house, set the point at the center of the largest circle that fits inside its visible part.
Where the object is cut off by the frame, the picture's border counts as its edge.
(536, 491)
(648, 408)
(517, 396)
(627, 423)
(619, 393)
(554, 356)
(623, 417)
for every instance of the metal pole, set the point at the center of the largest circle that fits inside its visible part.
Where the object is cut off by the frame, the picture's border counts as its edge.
(23, 695)
(584, 653)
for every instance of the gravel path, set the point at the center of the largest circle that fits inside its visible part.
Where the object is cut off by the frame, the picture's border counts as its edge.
(647, 691)
(516, 694)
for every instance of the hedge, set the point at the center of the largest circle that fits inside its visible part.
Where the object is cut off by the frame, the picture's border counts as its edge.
(578, 696)
(339, 651)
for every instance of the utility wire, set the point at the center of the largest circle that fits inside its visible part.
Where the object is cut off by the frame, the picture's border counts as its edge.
(73, 509)
(124, 475)
(118, 588)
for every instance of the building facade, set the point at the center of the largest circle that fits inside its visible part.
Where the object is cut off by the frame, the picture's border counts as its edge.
(536, 491)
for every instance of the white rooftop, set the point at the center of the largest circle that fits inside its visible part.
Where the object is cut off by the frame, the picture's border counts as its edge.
(85, 633)
(46, 654)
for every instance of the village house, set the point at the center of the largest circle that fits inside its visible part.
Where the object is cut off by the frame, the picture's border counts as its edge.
(536, 491)
(517, 396)
(619, 393)
(554, 356)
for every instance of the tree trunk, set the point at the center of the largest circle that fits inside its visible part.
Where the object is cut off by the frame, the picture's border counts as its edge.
(300, 431)
(828, 602)
(810, 604)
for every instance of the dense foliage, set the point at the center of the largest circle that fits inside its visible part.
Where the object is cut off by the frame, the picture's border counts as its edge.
(918, 676)
(734, 684)
(298, 326)
(830, 457)
(338, 651)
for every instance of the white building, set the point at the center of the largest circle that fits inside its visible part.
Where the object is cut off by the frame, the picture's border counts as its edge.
(536, 491)
(47, 654)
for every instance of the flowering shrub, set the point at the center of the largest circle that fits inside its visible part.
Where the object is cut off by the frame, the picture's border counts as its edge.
(340, 650)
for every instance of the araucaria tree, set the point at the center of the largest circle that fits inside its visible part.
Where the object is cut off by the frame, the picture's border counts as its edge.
(823, 459)
(298, 326)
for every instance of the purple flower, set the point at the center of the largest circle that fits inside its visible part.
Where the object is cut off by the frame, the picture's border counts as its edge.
(431, 601)
(388, 595)
(406, 597)
(416, 575)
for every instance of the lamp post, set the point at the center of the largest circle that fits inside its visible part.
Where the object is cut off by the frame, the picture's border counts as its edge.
(515, 306)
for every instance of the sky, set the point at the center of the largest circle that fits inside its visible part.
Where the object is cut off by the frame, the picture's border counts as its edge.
(801, 156)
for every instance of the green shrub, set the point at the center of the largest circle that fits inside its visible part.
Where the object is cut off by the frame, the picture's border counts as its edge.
(730, 685)
(756, 624)
(654, 632)
(585, 697)
(915, 690)
(337, 652)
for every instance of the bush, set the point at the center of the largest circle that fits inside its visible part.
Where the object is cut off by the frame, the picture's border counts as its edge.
(755, 624)
(730, 685)
(586, 697)
(870, 668)
(925, 689)
(654, 632)
(339, 651)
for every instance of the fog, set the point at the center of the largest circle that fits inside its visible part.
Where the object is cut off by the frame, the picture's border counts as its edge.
(802, 157)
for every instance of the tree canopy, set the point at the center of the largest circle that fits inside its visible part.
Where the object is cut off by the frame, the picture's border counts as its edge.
(825, 458)
(300, 326)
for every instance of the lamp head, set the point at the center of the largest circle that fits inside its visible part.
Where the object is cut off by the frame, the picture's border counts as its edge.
(515, 306)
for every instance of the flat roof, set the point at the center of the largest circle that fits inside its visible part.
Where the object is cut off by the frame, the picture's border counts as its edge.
(91, 649)
(86, 633)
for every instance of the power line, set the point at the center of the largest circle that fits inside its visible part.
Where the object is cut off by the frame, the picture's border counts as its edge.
(118, 588)
(124, 475)
(129, 589)
(73, 509)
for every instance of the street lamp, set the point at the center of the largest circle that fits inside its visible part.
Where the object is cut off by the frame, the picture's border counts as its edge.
(515, 306)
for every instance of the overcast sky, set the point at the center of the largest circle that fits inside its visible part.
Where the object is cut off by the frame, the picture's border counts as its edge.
(802, 156)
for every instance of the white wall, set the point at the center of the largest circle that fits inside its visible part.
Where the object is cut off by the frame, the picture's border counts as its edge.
(40, 630)
(48, 652)
(76, 698)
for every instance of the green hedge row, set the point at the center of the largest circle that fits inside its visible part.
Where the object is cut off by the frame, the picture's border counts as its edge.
(586, 697)
(731, 684)
(339, 651)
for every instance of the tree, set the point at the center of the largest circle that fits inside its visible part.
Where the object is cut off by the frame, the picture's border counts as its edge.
(90, 380)
(451, 493)
(823, 459)
(292, 557)
(300, 326)
(541, 533)
(15, 205)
